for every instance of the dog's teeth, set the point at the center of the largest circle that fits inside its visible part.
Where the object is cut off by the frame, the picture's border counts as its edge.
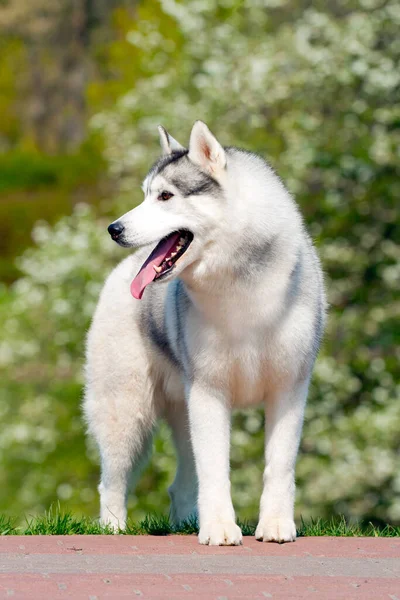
(157, 269)
(173, 254)
(178, 247)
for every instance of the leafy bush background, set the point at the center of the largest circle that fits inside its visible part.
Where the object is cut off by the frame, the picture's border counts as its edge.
(314, 88)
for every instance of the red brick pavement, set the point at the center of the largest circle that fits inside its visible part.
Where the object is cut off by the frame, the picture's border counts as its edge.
(175, 567)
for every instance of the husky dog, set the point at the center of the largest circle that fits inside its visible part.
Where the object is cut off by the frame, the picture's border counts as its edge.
(231, 315)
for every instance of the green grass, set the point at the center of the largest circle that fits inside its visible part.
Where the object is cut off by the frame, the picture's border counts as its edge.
(339, 527)
(56, 522)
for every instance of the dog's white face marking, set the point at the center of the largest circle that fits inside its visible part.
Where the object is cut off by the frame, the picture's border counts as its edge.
(179, 214)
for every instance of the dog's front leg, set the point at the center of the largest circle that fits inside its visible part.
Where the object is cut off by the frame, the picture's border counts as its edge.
(284, 421)
(209, 416)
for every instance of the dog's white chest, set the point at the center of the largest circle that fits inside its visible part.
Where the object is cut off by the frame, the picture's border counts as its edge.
(248, 378)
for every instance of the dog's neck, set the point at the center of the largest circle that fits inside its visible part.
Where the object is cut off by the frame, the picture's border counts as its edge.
(235, 303)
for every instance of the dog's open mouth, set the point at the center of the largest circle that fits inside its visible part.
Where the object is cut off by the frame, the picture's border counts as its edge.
(161, 261)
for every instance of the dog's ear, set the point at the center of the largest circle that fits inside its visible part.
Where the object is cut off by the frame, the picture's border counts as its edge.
(205, 150)
(168, 143)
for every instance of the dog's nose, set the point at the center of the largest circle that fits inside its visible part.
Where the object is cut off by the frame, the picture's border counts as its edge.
(115, 230)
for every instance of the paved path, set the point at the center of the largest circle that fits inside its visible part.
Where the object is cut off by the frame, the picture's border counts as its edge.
(176, 567)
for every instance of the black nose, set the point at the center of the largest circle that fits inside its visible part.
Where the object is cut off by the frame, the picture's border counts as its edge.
(115, 230)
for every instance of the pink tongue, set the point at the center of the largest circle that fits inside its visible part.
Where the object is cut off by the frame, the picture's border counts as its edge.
(147, 274)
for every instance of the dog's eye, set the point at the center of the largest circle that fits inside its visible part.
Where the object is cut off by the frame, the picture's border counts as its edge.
(165, 196)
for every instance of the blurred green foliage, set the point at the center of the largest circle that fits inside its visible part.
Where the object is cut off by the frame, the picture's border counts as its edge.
(23, 170)
(36, 186)
(315, 89)
(12, 59)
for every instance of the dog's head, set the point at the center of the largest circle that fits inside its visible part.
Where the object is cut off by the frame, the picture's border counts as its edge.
(181, 211)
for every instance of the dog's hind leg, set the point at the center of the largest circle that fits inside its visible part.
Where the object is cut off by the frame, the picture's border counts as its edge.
(183, 492)
(123, 431)
(120, 471)
(284, 421)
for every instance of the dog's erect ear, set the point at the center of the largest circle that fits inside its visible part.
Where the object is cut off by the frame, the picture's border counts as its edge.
(168, 143)
(205, 150)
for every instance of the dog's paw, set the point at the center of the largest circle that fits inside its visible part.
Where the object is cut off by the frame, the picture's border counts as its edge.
(271, 529)
(113, 523)
(220, 533)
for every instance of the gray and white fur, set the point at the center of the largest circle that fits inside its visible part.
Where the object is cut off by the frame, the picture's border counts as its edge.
(237, 323)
